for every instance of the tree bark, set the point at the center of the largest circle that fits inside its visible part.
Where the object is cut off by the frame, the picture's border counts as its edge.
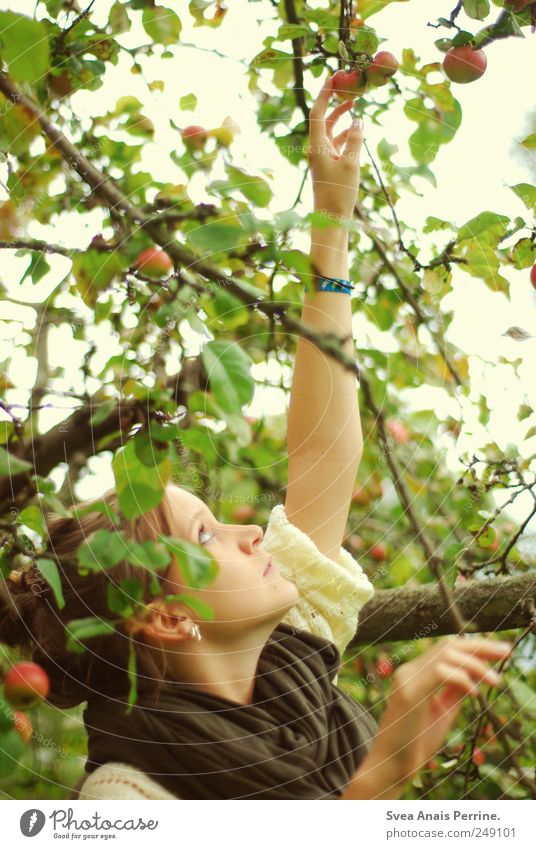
(405, 613)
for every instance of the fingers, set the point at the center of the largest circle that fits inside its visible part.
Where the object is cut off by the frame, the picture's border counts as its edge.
(317, 128)
(478, 646)
(477, 668)
(354, 140)
(419, 678)
(337, 112)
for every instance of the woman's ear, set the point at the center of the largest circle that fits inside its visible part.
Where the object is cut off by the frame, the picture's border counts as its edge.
(162, 623)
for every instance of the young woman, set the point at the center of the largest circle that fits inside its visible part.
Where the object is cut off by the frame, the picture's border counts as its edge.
(246, 705)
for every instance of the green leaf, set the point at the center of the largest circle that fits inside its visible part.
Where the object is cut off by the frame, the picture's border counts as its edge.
(198, 567)
(367, 8)
(228, 368)
(37, 268)
(526, 193)
(199, 607)
(132, 677)
(481, 223)
(78, 630)
(50, 573)
(524, 412)
(138, 487)
(5, 566)
(32, 517)
(150, 451)
(523, 694)
(162, 25)
(11, 751)
(255, 189)
(102, 550)
(118, 19)
(530, 141)
(476, 9)
(11, 465)
(103, 411)
(24, 47)
(188, 102)
(486, 537)
(432, 223)
(436, 127)
(201, 441)
(124, 599)
(228, 308)
(94, 271)
(286, 31)
(148, 555)
(215, 237)
(523, 253)
(270, 58)
(96, 507)
(365, 41)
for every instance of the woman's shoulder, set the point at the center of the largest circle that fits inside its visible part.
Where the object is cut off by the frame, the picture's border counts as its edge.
(116, 780)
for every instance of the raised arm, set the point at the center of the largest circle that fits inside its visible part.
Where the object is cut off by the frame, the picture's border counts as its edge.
(324, 439)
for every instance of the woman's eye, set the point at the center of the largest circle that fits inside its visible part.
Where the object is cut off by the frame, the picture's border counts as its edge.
(203, 531)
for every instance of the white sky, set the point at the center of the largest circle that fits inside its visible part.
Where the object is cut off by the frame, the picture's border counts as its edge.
(473, 174)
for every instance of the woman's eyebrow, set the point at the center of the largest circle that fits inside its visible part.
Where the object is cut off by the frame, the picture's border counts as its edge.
(194, 517)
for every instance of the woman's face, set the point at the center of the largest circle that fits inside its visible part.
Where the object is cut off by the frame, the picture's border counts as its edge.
(242, 597)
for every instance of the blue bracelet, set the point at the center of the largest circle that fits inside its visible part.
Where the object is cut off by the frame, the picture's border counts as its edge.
(334, 284)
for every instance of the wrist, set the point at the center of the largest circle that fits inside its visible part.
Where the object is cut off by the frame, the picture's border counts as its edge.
(374, 779)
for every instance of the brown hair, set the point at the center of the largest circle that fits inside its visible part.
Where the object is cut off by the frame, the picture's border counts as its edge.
(31, 621)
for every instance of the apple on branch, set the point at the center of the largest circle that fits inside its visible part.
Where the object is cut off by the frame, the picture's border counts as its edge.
(194, 136)
(346, 86)
(154, 262)
(25, 684)
(463, 64)
(383, 66)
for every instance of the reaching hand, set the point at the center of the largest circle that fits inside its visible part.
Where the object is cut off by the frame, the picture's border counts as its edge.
(335, 174)
(426, 697)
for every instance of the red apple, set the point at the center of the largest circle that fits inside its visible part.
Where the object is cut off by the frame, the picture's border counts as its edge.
(23, 726)
(433, 764)
(26, 684)
(382, 68)
(243, 512)
(479, 756)
(398, 431)
(463, 64)
(154, 262)
(384, 667)
(346, 86)
(378, 552)
(194, 136)
(533, 275)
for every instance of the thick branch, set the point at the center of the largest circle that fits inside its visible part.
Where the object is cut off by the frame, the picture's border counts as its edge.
(408, 612)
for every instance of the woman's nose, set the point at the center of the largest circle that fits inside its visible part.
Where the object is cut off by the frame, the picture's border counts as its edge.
(250, 537)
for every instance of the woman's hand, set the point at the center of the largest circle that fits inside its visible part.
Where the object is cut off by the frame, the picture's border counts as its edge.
(425, 699)
(335, 173)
